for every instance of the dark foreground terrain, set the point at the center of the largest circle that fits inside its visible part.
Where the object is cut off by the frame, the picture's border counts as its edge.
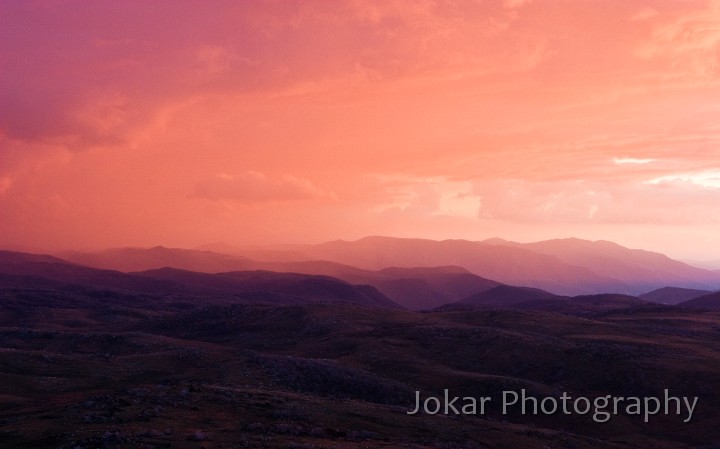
(156, 365)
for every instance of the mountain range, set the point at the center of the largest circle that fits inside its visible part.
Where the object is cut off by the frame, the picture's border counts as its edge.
(166, 347)
(562, 267)
(415, 274)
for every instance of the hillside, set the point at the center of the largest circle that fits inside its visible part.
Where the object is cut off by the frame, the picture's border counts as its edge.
(673, 295)
(500, 296)
(711, 301)
(129, 372)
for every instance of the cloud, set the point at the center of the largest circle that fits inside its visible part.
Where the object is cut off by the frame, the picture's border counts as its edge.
(645, 198)
(668, 200)
(524, 112)
(253, 187)
(426, 196)
(701, 179)
(87, 77)
(688, 40)
(631, 160)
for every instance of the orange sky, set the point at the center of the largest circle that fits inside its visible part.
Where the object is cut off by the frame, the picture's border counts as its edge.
(185, 122)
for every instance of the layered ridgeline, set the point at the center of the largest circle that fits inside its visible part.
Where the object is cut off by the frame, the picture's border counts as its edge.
(566, 266)
(41, 273)
(439, 288)
(422, 274)
(170, 357)
(414, 288)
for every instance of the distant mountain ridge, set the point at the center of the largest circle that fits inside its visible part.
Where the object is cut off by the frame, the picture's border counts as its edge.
(414, 288)
(640, 269)
(564, 267)
(141, 259)
(30, 271)
(505, 264)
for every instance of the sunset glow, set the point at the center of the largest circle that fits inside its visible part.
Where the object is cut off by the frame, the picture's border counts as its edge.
(184, 123)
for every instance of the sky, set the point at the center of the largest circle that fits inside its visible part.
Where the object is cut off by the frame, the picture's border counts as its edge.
(181, 123)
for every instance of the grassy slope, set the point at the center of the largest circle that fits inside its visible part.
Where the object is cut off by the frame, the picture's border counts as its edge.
(79, 369)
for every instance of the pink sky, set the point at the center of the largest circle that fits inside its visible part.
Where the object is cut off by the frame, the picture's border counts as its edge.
(186, 122)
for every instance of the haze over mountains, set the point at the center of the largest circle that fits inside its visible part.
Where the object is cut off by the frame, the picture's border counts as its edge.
(566, 266)
(520, 271)
(415, 274)
(29, 271)
(563, 267)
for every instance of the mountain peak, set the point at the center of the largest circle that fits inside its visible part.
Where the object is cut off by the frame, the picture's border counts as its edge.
(495, 241)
